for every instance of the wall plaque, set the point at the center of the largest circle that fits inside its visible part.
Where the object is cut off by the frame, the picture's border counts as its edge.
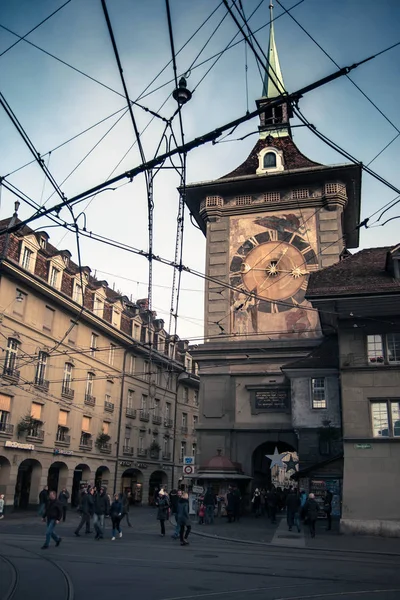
(274, 398)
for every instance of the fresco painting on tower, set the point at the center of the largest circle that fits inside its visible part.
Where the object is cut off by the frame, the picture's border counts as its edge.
(271, 256)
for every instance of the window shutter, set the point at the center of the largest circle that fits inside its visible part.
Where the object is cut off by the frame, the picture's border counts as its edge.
(5, 403)
(62, 418)
(36, 411)
(48, 318)
(86, 424)
(106, 426)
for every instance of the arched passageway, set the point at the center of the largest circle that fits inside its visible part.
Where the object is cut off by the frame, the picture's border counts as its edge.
(57, 477)
(132, 481)
(28, 482)
(81, 477)
(158, 480)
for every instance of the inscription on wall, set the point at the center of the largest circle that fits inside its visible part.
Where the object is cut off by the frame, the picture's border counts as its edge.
(269, 399)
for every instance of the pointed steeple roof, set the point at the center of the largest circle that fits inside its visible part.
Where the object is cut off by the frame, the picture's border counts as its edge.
(273, 80)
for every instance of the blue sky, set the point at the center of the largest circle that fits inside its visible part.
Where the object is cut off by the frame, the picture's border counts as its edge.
(54, 103)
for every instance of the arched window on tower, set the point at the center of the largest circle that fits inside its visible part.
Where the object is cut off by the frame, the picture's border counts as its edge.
(269, 160)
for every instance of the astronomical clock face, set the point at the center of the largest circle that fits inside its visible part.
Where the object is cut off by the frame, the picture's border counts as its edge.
(271, 258)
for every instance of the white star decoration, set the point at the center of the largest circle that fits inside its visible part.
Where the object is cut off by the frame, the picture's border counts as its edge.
(276, 458)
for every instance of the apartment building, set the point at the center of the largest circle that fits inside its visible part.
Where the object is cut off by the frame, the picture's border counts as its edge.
(90, 381)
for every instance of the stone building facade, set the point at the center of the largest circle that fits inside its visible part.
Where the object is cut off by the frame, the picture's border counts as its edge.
(361, 298)
(90, 381)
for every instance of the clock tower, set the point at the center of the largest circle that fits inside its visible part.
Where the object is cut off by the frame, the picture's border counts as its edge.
(269, 223)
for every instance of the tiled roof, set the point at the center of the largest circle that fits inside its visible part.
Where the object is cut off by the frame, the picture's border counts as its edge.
(292, 157)
(361, 273)
(324, 356)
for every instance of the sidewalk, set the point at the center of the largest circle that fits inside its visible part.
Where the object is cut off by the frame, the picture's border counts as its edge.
(260, 531)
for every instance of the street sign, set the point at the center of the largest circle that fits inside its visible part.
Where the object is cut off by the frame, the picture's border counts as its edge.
(188, 460)
(188, 470)
(197, 489)
(363, 446)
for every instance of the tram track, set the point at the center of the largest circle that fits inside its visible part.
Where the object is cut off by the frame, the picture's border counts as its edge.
(14, 578)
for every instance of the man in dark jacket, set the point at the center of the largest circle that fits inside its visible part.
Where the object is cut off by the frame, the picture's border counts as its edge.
(311, 510)
(174, 501)
(63, 498)
(43, 499)
(209, 502)
(292, 508)
(272, 502)
(126, 503)
(87, 509)
(101, 509)
(53, 514)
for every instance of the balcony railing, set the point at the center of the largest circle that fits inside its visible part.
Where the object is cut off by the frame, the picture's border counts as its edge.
(10, 373)
(144, 416)
(127, 450)
(157, 420)
(155, 454)
(67, 392)
(86, 443)
(166, 455)
(108, 406)
(36, 434)
(63, 439)
(131, 412)
(184, 429)
(90, 400)
(105, 448)
(142, 452)
(6, 428)
(42, 384)
(168, 423)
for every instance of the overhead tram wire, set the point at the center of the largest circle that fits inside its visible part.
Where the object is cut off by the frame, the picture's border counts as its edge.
(188, 146)
(22, 38)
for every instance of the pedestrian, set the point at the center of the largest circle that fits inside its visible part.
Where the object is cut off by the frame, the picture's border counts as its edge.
(303, 500)
(63, 498)
(202, 513)
(162, 503)
(209, 503)
(230, 505)
(126, 501)
(2, 503)
(184, 519)
(116, 509)
(262, 496)
(52, 513)
(87, 510)
(292, 509)
(272, 502)
(328, 508)
(101, 509)
(256, 501)
(311, 510)
(43, 499)
(174, 496)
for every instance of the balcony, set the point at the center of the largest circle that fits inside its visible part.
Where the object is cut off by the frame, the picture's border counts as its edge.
(63, 439)
(142, 452)
(11, 374)
(144, 416)
(41, 384)
(155, 454)
(130, 412)
(6, 429)
(86, 443)
(166, 455)
(127, 450)
(184, 430)
(67, 392)
(105, 448)
(108, 406)
(35, 434)
(168, 423)
(90, 400)
(156, 420)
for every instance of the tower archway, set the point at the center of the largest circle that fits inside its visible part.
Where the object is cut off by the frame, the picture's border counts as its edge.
(263, 475)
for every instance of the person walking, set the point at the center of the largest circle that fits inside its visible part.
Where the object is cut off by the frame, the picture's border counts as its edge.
(126, 503)
(209, 503)
(43, 499)
(101, 509)
(52, 513)
(328, 508)
(2, 503)
(202, 514)
(292, 509)
(63, 498)
(303, 500)
(173, 500)
(256, 501)
(311, 511)
(116, 510)
(272, 502)
(162, 503)
(87, 510)
(184, 519)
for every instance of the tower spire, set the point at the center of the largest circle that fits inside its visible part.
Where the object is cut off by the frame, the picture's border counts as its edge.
(273, 81)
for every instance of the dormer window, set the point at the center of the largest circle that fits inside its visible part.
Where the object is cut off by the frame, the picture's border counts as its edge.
(43, 243)
(78, 293)
(54, 277)
(270, 160)
(27, 259)
(66, 260)
(115, 317)
(28, 253)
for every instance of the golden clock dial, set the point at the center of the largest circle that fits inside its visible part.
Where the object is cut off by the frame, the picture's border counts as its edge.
(274, 270)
